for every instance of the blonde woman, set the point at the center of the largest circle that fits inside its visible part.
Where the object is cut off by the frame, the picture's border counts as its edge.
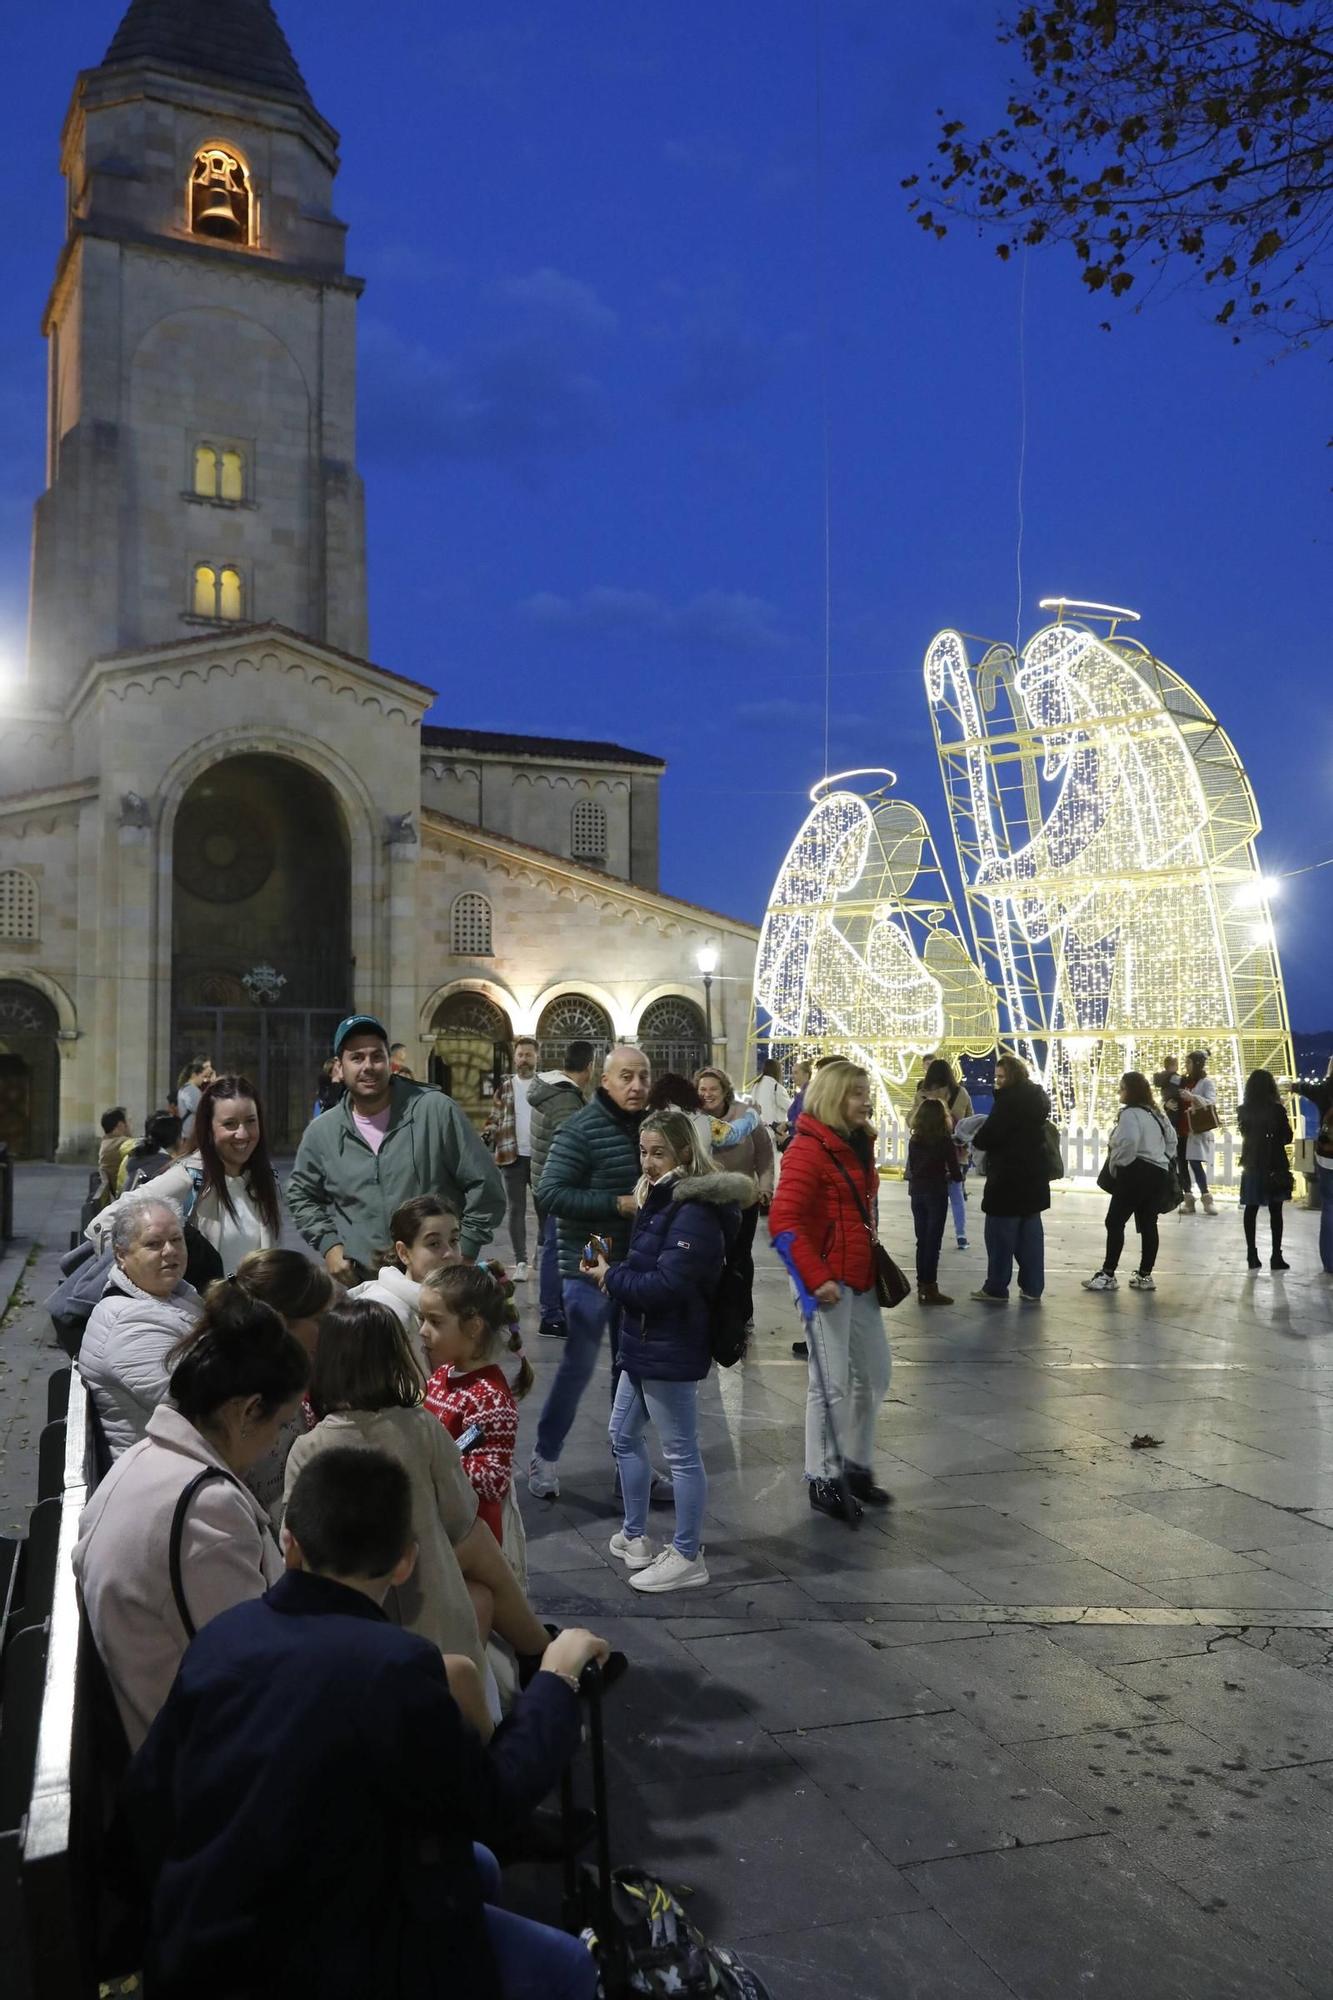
(828, 1199)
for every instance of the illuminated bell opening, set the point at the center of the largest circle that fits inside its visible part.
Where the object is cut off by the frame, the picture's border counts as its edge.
(217, 215)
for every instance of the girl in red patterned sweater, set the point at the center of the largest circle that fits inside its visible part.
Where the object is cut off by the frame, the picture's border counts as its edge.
(469, 1337)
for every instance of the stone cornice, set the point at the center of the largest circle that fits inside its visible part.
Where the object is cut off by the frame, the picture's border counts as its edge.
(516, 857)
(255, 649)
(49, 798)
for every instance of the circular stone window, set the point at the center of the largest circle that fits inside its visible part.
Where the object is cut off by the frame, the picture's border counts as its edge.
(220, 858)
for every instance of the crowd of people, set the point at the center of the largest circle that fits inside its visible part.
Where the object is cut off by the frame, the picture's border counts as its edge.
(309, 1535)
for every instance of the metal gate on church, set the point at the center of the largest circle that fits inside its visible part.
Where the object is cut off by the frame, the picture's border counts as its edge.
(280, 1050)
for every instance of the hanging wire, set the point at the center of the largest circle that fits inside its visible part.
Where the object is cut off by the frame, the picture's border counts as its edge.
(821, 310)
(1022, 442)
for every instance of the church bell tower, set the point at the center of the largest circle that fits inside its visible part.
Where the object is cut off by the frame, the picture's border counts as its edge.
(201, 436)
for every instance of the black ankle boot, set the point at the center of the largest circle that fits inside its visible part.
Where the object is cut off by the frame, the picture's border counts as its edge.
(826, 1499)
(1278, 1263)
(861, 1483)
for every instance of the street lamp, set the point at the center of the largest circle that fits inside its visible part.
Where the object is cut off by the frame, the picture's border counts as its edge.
(706, 960)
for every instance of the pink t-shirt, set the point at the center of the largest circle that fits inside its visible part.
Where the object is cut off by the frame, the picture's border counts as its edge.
(373, 1128)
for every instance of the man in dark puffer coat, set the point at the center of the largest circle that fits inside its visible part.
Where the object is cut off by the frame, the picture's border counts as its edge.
(588, 1185)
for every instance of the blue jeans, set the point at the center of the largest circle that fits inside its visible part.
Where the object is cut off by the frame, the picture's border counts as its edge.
(549, 1301)
(1324, 1175)
(929, 1208)
(1015, 1236)
(958, 1203)
(587, 1316)
(674, 1408)
(534, 1962)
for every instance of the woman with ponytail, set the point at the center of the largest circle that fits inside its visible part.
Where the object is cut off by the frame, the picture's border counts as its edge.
(172, 1536)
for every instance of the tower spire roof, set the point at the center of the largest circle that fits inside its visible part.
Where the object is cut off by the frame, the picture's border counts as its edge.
(235, 41)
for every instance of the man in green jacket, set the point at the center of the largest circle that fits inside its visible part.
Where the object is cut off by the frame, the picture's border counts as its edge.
(588, 1188)
(387, 1141)
(552, 1100)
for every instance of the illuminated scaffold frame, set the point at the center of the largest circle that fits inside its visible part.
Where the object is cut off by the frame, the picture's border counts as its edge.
(1105, 830)
(861, 952)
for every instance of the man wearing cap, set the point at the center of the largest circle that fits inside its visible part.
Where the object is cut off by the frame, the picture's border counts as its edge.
(387, 1141)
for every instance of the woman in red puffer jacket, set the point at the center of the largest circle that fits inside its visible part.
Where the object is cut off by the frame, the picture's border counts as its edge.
(828, 1190)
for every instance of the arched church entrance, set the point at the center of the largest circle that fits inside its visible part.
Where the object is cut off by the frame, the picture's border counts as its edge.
(29, 1072)
(261, 930)
(572, 1018)
(672, 1036)
(471, 1052)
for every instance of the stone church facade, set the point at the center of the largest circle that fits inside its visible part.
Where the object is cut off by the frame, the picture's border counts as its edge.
(222, 826)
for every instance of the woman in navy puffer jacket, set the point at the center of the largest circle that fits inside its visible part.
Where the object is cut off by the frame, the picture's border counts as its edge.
(689, 1216)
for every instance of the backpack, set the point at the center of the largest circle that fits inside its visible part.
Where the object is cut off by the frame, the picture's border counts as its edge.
(657, 1951)
(1053, 1158)
(729, 1309)
(1323, 1139)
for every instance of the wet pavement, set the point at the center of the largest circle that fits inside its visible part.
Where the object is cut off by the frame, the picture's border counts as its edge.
(1060, 1720)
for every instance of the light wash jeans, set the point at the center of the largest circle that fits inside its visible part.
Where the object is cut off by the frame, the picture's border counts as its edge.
(958, 1203)
(674, 1408)
(587, 1317)
(1324, 1176)
(854, 1350)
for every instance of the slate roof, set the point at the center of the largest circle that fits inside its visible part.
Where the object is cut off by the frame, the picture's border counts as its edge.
(236, 40)
(570, 750)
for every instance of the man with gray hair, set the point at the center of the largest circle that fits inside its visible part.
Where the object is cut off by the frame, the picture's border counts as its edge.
(587, 1187)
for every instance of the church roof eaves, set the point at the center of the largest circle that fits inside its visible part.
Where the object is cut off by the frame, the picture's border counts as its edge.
(569, 750)
(221, 634)
(595, 878)
(241, 43)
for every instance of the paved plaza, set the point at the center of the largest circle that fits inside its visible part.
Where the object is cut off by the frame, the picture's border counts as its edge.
(1060, 1722)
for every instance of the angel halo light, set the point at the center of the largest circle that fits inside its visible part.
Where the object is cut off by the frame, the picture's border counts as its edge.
(861, 953)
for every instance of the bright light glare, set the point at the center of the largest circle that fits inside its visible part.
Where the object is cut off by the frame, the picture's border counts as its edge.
(706, 960)
(1262, 889)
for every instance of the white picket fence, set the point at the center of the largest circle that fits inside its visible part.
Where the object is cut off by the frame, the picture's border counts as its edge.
(1083, 1152)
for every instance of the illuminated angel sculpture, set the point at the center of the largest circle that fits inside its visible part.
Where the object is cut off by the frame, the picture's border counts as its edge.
(1105, 830)
(861, 951)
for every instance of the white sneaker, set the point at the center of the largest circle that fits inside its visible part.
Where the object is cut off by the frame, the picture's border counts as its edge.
(671, 1571)
(543, 1479)
(1101, 1281)
(635, 1551)
(1140, 1281)
(520, 1272)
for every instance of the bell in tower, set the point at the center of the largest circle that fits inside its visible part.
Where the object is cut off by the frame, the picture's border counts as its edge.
(220, 196)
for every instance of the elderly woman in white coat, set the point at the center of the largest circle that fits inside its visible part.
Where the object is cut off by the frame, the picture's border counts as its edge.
(146, 1309)
(234, 1384)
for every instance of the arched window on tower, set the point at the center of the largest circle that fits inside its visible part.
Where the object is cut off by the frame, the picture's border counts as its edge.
(588, 831)
(221, 199)
(20, 907)
(218, 591)
(470, 927)
(219, 472)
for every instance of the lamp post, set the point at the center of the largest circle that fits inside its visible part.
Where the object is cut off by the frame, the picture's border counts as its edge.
(706, 960)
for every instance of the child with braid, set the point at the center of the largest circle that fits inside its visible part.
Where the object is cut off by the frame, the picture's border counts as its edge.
(469, 1332)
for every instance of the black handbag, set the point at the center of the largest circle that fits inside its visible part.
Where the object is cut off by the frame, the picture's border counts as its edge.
(892, 1285)
(1106, 1178)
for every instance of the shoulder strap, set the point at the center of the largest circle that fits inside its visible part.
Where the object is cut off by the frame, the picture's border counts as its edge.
(204, 1478)
(856, 1194)
(196, 1189)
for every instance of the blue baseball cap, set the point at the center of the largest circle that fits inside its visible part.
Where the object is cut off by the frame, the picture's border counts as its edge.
(358, 1024)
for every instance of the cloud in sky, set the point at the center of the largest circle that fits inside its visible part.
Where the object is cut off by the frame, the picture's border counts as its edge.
(568, 298)
(727, 620)
(516, 401)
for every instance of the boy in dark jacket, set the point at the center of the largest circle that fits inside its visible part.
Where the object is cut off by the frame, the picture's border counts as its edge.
(588, 1186)
(1018, 1184)
(306, 1802)
(553, 1098)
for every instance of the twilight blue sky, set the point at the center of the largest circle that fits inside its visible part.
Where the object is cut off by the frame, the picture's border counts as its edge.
(590, 407)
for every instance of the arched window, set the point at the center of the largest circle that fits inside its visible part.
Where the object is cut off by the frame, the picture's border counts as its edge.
(221, 200)
(672, 1034)
(20, 909)
(588, 831)
(572, 1018)
(219, 472)
(470, 927)
(218, 591)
